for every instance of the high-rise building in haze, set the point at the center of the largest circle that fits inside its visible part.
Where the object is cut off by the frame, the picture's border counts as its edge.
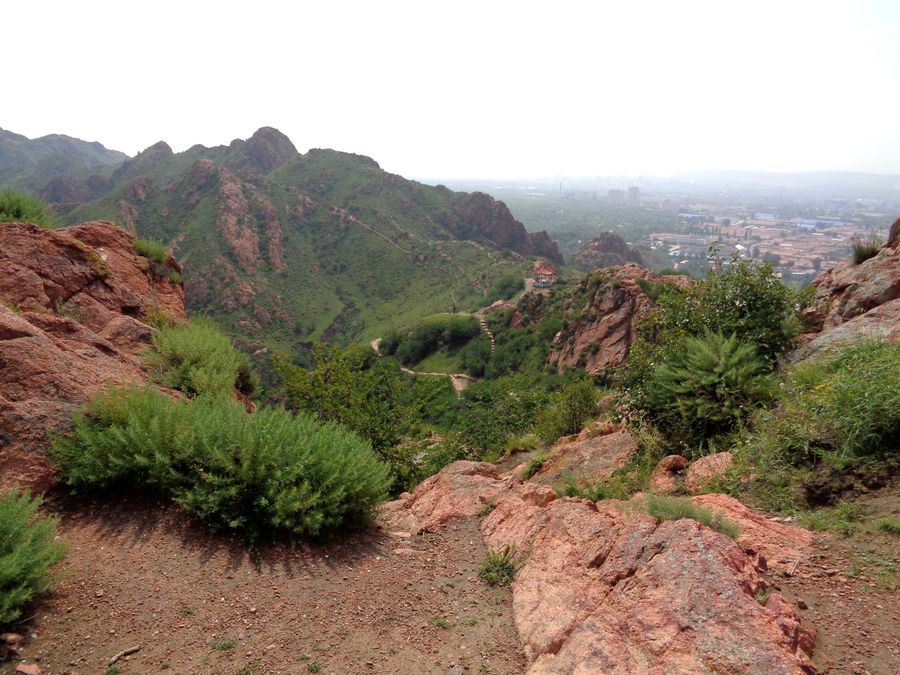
(634, 195)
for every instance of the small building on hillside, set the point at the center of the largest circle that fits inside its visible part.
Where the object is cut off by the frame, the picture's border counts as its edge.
(544, 274)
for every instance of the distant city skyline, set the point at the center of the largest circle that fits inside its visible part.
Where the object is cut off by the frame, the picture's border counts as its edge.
(484, 90)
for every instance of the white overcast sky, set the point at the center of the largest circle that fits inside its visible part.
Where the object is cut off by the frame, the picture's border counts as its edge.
(472, 89)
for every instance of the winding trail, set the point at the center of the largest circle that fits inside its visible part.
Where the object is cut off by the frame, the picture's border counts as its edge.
(460, 381)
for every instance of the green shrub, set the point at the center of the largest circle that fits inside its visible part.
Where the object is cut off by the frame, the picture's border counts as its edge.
(707, 386)
(27, 551)
(500, 566)
(505, 287)
(152, 250)
(259, 473)
(198, 358)
(23, 207)
(838, 413)
(444, 331)
(676, 508)
(863, 249)
(570, 409)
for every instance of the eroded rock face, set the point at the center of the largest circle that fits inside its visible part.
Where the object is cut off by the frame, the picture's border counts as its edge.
(667, 475)
(588, 459)
(703, 471)
(604, 588)
(847, 290)
(70, 324)
(603, 318)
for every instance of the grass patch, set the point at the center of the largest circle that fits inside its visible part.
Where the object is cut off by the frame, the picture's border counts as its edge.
(152, 250)
(843, 518)
(439, 622)
(866, 247)
(888, 524)
(500, 566)
(486, 510)
(223, 644)
(676, 508)
(265, 472)
(536, 464)
(28, 550)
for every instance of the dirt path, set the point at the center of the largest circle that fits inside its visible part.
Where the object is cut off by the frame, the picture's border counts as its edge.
(850, 591)
(141, 573)
(460, 381)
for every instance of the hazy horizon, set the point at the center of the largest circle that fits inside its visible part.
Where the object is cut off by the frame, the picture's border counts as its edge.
(508, 91)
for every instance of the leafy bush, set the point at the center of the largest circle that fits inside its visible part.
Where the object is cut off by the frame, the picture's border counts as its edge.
(430, 335)
(27, 551)
(198, 358)
(22, 207)
(676, 508)
(263, 472)
(500, 566)
(836, 413)
(863, 249)
(707, 386)
(569, 410)
(505, 287)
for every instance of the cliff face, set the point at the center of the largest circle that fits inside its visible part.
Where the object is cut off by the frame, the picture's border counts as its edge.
(602, 317)
(856, 300)
(479, 215)
(73, 319)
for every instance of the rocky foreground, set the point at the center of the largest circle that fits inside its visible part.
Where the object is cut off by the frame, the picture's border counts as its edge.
(604, 588)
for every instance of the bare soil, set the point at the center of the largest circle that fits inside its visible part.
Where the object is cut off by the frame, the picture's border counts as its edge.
(850, 591)
(141, 573)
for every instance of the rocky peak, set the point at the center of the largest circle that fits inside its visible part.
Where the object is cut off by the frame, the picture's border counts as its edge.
(606, 250)
(602, 316)
(264, 151)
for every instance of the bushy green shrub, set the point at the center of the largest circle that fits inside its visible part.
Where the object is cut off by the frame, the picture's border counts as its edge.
(536, 464)
(676, 508)
(22, 207)
(152, 250)
(835, 413)
(265, 472)
(500, 566)
(198, 358)
(569, 410)
(28, 549)
(431, 334)
(707, 386)
(505, 287)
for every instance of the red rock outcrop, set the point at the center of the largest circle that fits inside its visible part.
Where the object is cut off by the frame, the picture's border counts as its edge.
(480, 216)
(855, 301)
(704, 470)
(603, 588)
(70, 324)
(666, 476)
(588, 459)
(606, 250)
(603, 317)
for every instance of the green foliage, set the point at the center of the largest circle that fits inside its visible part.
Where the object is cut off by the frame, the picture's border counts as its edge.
(500, 566)
(260, 473)
(444, 331)
(537, 462)
(26, 208)
(888, 524)
(843, 518)
(154, 251)
(505, 287)
(863, 249)
(707, 386)
(27, 551)
(676, 508)
(352, 388)
(198, 358)
(838, 412)
(569, 410)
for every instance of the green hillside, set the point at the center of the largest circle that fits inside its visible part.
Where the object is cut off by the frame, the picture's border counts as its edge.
(284, 249)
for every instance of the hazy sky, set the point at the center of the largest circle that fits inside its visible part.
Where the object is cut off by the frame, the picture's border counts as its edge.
(472, 89)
